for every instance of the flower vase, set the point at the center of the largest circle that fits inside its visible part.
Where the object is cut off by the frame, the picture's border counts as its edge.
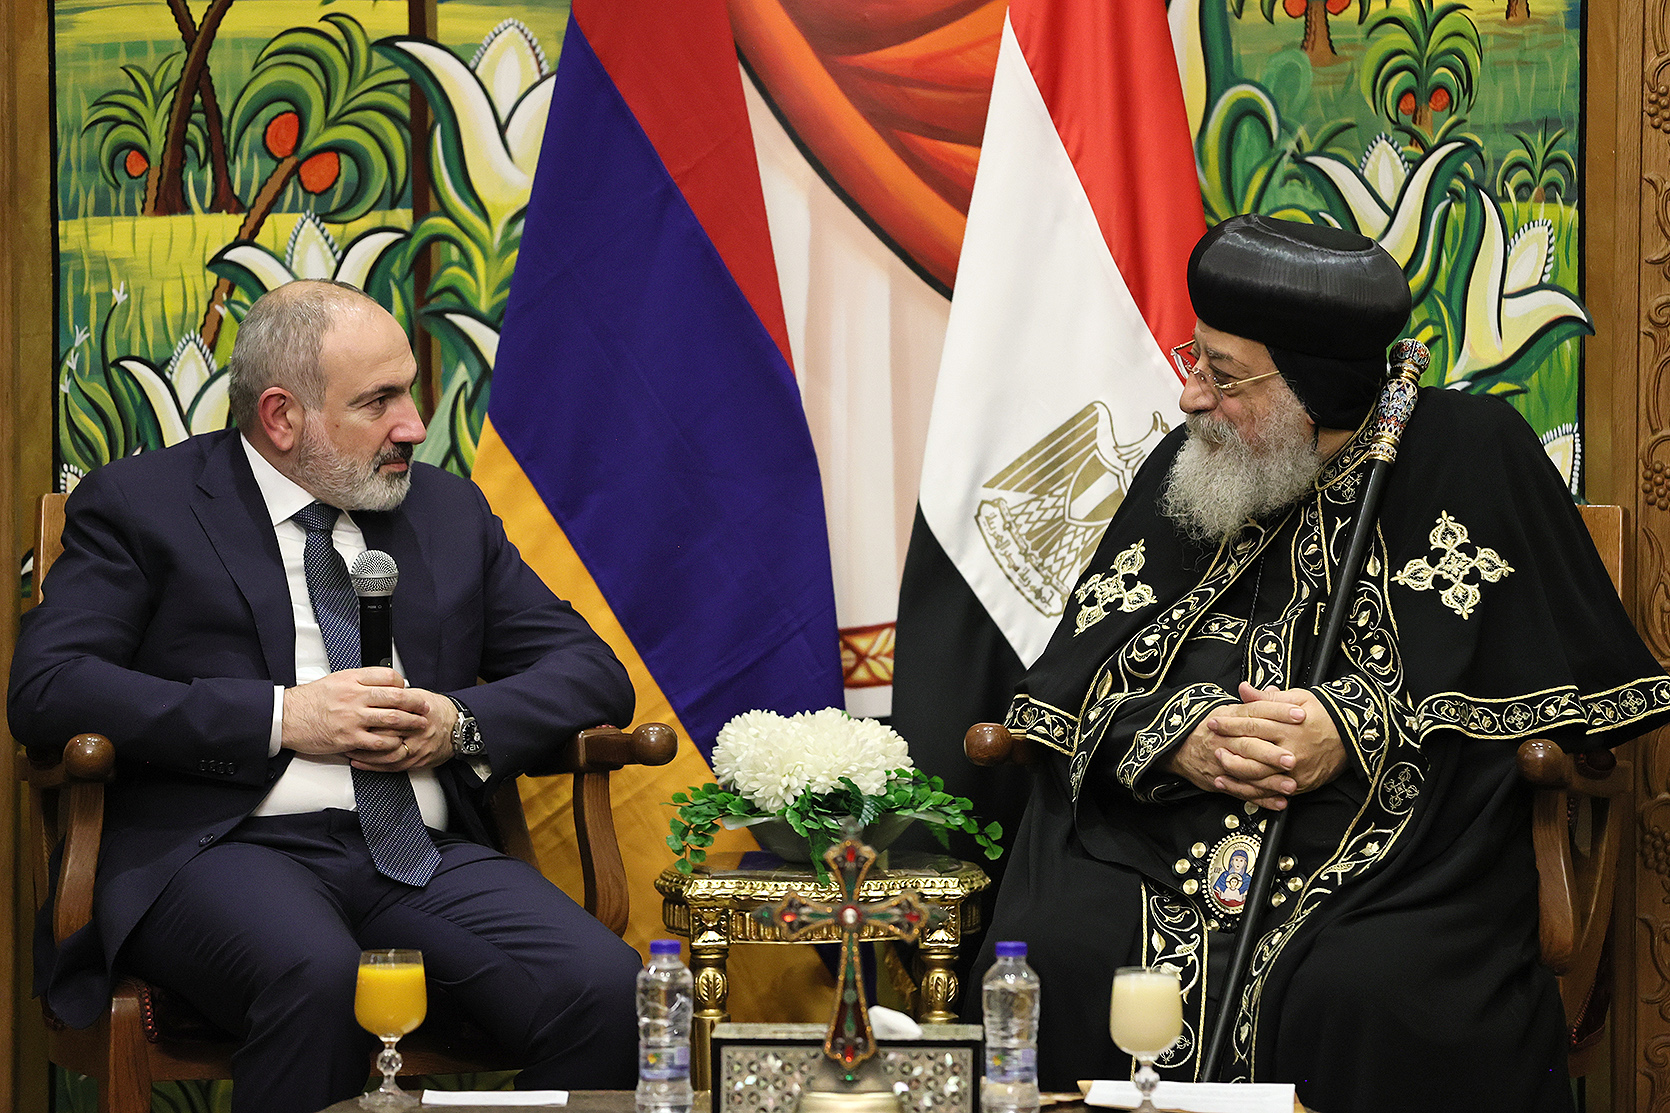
(780, 839)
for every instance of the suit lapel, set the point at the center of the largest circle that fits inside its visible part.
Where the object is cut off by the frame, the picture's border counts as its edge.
(229, 507)
(417, 623)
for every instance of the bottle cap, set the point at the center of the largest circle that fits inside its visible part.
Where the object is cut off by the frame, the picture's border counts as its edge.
(663, 947)
(1011, 950)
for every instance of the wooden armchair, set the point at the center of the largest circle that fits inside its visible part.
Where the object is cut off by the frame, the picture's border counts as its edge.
(1580, 812)
(147, 1036)
(1579, 821)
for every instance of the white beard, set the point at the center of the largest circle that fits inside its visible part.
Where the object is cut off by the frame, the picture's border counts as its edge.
(1219, 482)
(346, 483)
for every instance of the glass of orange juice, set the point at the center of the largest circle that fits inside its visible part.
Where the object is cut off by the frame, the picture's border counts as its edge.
(389, 1001)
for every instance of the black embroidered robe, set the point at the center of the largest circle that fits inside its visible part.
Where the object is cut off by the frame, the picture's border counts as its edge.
(1403, 956)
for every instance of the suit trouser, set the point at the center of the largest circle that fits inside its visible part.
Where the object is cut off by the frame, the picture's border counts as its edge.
(262, 932)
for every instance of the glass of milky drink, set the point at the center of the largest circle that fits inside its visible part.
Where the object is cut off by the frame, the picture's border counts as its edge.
(1145, 1017)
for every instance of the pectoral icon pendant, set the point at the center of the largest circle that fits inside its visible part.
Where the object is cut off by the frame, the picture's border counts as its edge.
(1220, 874)
(1229, 871)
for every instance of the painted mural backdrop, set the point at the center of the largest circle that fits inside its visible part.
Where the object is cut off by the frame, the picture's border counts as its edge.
(206, 154)
(1448, 132)
(209, 150)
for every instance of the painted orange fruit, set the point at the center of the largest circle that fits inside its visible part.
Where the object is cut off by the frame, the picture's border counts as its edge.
(1406, 104)
(319, 172)
(281, 134)
(136, 163)
(1440, 99)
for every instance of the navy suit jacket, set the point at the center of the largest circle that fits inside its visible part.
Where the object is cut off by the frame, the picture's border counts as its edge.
(167, 622)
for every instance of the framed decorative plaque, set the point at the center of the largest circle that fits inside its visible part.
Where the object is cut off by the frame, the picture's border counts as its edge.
(762, 1068)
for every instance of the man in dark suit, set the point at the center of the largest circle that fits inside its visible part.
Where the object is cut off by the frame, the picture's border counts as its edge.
(277, 809)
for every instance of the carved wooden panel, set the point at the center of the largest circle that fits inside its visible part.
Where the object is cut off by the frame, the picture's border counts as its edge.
(1643, 1004)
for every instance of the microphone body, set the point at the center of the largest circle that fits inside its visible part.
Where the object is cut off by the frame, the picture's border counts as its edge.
(375, 575)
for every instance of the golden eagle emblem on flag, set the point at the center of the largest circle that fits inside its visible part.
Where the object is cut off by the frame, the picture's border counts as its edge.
(1051, 504)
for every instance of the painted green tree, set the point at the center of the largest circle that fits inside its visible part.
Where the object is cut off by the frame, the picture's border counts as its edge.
(1422, 62)
(331, 115)
(194, 94)
(133, 128)
(1317, 41)
(1538, 169)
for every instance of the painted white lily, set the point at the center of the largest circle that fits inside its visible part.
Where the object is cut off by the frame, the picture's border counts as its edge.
(498, 104)
(483, 337)
(186, 397)
(189, 397)
(1400, 206)
(311, 252)
(1564, 445)
(1509, 301)
(450, 432)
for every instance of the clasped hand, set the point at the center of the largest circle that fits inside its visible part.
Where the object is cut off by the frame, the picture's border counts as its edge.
(371, 717)
(1276, 743)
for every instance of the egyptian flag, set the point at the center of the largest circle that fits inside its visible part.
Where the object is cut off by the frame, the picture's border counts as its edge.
(1055, 380)
(646, 445)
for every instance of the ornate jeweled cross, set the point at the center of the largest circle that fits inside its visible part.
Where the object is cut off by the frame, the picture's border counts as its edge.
(850, 1040)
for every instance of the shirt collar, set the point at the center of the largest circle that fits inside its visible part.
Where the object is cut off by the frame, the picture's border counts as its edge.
(281, 493)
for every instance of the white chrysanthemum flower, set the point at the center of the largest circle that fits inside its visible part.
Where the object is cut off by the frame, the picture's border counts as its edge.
(772, 760)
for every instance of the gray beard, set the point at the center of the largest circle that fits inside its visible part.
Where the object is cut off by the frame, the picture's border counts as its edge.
(345, 483)
(1219, 482)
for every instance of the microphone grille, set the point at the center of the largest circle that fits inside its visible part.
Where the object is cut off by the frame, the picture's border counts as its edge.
(374, 573)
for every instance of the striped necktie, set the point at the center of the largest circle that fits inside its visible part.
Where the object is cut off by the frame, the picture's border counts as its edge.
(400, 844)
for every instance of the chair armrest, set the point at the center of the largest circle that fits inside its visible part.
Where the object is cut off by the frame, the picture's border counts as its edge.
(86, 758)
(990, 744)
(605, 749)
(1574, 894)
(68, 797)
(591, 756)
(1599, 773)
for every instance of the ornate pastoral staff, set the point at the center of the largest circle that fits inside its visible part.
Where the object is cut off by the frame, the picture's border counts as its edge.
(1409, 360)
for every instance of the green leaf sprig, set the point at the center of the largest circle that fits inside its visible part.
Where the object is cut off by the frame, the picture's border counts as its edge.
(819, 816)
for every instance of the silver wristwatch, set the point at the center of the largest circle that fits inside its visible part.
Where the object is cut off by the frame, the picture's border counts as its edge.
(466, 735)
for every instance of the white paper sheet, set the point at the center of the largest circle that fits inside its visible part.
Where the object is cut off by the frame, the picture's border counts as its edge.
(1198, 1097)
(497, 1097)
(890, 1024)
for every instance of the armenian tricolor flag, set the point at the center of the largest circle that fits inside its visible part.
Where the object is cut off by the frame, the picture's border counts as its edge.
(646, 444)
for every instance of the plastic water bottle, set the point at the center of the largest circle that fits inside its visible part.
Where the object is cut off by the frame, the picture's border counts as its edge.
(1009, 999)
(664, 1011)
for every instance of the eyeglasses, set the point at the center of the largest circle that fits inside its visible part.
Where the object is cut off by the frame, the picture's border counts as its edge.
(1188, 363)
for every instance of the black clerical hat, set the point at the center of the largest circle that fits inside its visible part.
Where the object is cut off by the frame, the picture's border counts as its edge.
(1326, 302)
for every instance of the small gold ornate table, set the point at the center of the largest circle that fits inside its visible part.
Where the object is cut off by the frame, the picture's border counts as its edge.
(710, 906)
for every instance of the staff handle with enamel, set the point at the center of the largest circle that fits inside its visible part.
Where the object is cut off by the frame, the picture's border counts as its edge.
(1397, 399)
(1409, 361)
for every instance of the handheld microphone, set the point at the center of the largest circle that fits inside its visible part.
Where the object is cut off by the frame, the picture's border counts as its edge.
(374, 574)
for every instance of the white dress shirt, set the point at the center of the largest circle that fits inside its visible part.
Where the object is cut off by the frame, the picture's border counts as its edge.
(313, 782)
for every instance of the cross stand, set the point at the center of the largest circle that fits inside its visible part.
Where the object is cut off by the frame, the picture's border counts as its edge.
(850, 1041)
